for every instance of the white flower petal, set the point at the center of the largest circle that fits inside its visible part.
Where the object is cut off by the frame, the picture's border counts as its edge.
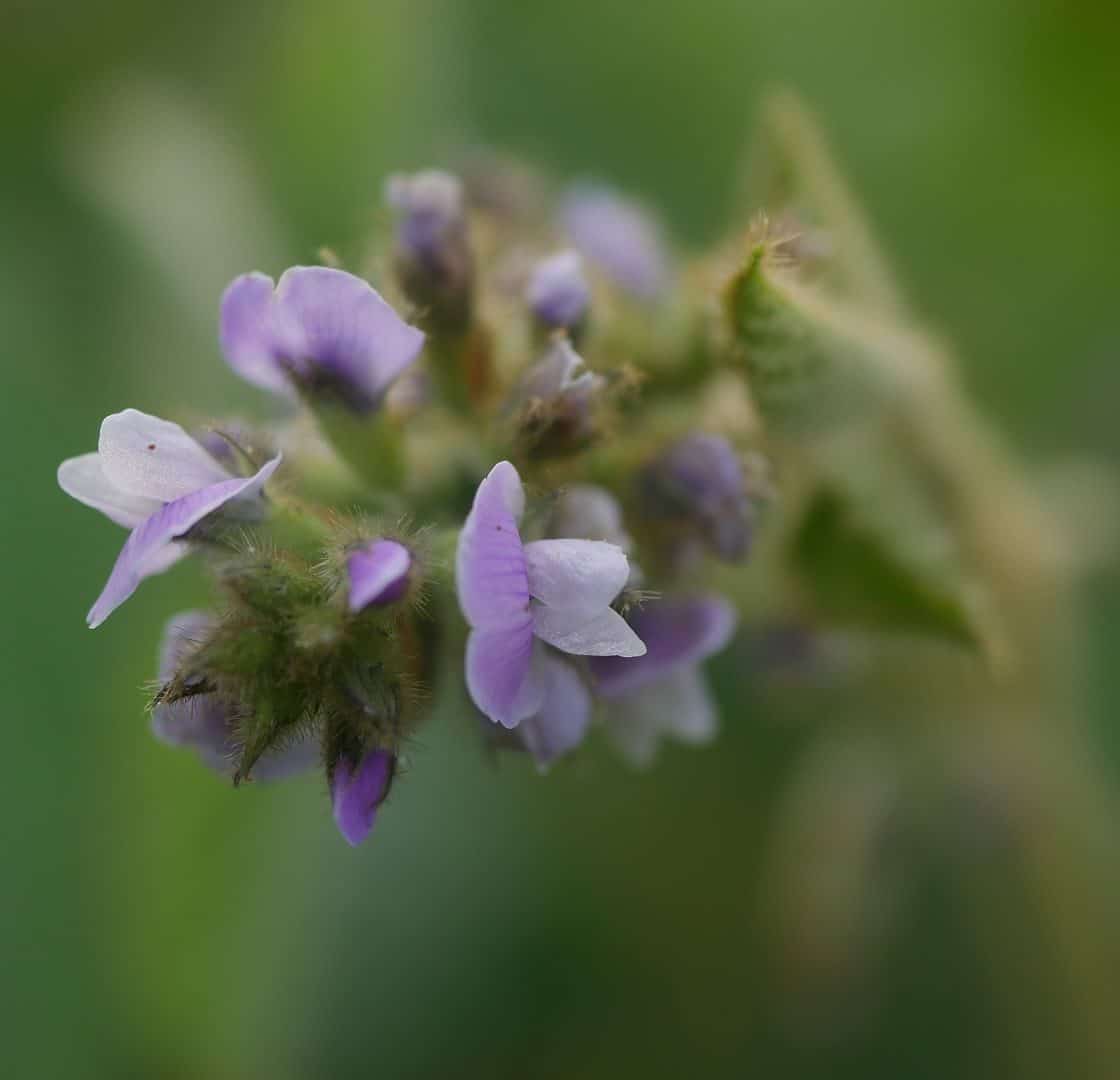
(82, 478)
(576, 575)
(153, 458)
(604, 634)
(679, 706)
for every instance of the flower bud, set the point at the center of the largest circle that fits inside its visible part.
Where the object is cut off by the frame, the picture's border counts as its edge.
(698, 489)
(557, 401)
(199, 719)
(378, 574)
(558, 294)
(433, 257)
(357, 790)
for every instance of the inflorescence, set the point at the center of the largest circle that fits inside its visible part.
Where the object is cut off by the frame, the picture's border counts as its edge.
(535, 470)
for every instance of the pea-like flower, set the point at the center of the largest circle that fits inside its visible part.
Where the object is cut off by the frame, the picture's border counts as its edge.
(150, 476)
(202, 722)
(619, 237)
(663, 693)
(357, 790)
(377, 573)
(519, 599)
(558, 293)
(321, 332)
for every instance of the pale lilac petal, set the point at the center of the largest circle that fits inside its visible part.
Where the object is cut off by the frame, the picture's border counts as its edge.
(349, 331)
(144, 551)
(557, 292)
(153, 458)
(576, 575)
(604, 634)
(378, 573)
(357, 793)
(283, 761)
(561, 723)
(258, 341)
(678, 634)
(678, 706)
(500, 678)
(618, 236)
(586, 512)
(490, 568)
(82, 478)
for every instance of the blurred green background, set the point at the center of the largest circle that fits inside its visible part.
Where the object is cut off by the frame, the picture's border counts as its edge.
(597, 923)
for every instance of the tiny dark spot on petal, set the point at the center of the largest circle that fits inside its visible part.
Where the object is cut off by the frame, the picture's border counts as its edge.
(151, 446)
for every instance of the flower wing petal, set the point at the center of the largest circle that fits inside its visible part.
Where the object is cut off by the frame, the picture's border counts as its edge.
(561, 723)
(145, 551)
(153, 458)
(581, 576)
(82, 478)
(604, 634)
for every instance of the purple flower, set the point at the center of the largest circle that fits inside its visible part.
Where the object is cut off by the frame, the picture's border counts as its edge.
(698, 486)
(557, 292)
(151, 477)
(357, 792)
(378, 573)
(321, 331)
(662, 692)
(518, 597)
(619, 237)
(202, 722)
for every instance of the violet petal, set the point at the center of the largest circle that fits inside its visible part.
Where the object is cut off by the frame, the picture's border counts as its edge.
(357, 793)
(145, 550)
(677, 633)
(378, 573)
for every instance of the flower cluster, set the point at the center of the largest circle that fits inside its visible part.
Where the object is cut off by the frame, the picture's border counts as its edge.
(476, 496)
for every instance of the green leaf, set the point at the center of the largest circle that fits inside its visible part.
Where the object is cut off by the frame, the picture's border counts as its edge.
(875, 549)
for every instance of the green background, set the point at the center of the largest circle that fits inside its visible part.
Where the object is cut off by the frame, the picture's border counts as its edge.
(596, 923)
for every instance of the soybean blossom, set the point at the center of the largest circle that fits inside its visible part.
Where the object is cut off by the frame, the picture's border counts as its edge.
(549, 542)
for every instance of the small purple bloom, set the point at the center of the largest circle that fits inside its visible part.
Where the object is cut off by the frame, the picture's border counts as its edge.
(202, 722)
(151, 477)
(517, 596)
(357, 792)
(557, 292)
(698, 484)
(378, 573)
(619, 237)
(320, 330)
(662, 692)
